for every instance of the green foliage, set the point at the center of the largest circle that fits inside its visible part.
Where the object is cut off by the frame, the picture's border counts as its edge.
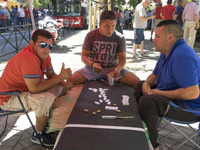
(134, 2)
(118, 3)
(40, 4)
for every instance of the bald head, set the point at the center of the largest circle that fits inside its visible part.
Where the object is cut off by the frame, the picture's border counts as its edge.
(145, 3)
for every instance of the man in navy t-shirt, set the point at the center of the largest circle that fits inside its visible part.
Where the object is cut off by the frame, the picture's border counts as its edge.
(179, 11)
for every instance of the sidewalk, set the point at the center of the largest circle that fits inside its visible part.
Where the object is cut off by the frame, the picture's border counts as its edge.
(19, 131)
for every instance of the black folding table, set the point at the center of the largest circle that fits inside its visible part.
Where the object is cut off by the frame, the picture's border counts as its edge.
(86, 130)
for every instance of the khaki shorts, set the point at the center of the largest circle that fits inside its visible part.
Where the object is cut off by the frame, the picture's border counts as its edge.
(40, 103)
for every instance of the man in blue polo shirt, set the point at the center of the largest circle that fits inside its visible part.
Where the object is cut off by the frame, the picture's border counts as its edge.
(176, 77)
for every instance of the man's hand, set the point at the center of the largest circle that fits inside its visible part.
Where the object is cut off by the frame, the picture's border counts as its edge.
(97, 68)
(65, 73)
(152, 16)
(67, 86)
(146, 88)
(153, 92)
(116, 72)
(197, 27)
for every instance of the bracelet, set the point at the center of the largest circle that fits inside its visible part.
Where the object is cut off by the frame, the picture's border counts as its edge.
(92, 65)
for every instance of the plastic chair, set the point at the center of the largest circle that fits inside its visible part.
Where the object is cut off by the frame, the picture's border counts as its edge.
(7, 113)
(168, 121)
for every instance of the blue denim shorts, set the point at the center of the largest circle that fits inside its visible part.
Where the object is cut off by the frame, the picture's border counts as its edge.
(90, 74)
(139, 36)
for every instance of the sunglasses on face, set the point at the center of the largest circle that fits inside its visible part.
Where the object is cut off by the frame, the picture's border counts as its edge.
(44, 45)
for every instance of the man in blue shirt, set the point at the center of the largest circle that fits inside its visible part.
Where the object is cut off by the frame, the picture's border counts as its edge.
(179, 11)
(2, 22)
(176, 77)
(13, 16)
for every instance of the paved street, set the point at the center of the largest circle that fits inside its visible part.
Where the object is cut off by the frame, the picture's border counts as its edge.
(19, 131)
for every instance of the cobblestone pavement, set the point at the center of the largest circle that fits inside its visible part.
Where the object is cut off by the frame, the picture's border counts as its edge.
(19, 131)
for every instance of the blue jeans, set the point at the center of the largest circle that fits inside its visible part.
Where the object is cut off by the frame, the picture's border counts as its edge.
(14, 21)
(2, 24)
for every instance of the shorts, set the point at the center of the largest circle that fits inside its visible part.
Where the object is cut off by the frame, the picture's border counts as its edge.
(90, 74)
(39, 103)
(139, 36)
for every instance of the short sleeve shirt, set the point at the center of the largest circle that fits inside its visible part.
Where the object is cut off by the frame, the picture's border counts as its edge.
(104, 50)
(157, 12)
(180, 69)
(14, 13)
(168, 11)
(139, 12)
(25, 64)
(190, 10)
(179, 11)
(21, 12)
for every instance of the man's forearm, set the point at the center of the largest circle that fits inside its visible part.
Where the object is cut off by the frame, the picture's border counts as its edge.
(175, 17)
(45, 85)
(152, 80)
(197, 20)
(183, 18)
(181, 93)
(145, 18)
(86, 60)
(121, 65)
(122, 60)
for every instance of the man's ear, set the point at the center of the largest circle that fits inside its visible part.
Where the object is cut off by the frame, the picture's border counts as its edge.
(31, 43)
(170, 36)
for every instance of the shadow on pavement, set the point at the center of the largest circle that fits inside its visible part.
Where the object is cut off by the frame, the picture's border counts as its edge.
(61, 49)
(148, 47)
(21, 140)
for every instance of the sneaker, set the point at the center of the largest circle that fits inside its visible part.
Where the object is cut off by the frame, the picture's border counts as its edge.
(136, 56)
(46, 139)
(151, 39)
(144, 54)
(46, 128)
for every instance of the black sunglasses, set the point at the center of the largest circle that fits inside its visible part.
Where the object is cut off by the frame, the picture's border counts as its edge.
(43, 45)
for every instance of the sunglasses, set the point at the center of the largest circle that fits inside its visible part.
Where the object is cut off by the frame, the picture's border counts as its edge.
(44, 45)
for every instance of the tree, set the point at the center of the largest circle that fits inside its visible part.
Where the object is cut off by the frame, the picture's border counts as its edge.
(40, 3)
(134, 2)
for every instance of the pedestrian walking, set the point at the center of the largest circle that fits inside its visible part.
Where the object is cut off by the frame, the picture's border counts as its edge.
(167, 11)
(2, 19)
(191, 22)
(13, 16)
(26, 21)
(127, 18)
(179, 12)
(7, 16)
(121, 21)
(157, 13)
(140, 23)
(21, 15)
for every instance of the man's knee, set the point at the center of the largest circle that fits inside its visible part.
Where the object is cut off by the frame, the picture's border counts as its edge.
(138, 91)
(130, 79)
(146, 102)
(77, 78)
